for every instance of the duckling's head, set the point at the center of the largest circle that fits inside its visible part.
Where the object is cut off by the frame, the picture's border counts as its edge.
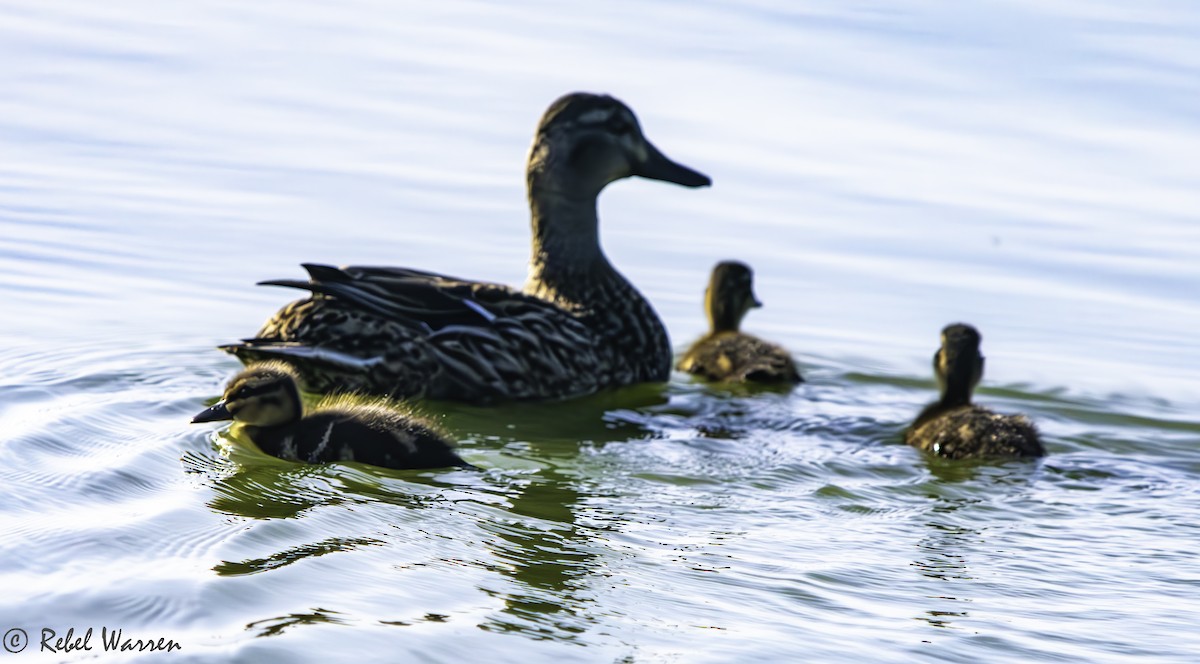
(264, 395)
(958, 364)
(729, 296)
(585, 141)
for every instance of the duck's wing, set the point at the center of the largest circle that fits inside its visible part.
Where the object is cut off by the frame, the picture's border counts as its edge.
(740, 357)
(771, 363)
(368, 435)
(485, 339)
(973, 432)
(421, 299)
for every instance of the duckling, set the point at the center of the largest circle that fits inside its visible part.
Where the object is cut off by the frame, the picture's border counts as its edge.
(726, 354)
(955, 428)
(577, 327)
(265, 400)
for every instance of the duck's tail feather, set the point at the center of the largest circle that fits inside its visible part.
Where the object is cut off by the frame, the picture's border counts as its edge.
(411, 297)
(347, 292)
(321, 272)
(256, 350)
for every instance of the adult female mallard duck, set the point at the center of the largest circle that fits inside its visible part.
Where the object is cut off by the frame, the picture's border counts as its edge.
(265, 400)
(955, 428)
(725, 353)
(577, 327)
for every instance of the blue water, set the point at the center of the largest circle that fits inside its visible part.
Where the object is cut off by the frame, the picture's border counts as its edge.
(886, 168)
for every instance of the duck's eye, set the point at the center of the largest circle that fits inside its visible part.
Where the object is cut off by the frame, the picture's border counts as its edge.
(619, 126)
(585, 150)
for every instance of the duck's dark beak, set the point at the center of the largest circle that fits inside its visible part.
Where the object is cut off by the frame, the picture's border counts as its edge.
(656, 166)
(215, 413)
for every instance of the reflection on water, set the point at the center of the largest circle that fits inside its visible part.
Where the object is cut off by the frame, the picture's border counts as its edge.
(1026, 167)
(548, 556)
(539, 545)
(943, 557)
(557, 427)
(289, 556)
(275, 626)
(956, 528)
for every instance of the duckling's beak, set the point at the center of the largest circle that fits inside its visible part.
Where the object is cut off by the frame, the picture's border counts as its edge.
(215, 413)
(754, 302)
(656, 166)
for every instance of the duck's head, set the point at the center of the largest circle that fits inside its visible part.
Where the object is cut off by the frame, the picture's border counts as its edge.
(585, 141)
(264, 395)
(730, 295)
(958, 364)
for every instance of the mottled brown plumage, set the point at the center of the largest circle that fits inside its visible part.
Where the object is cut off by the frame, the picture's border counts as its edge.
(579, 326)
(264, 401)
(953, 427)
(727, 354)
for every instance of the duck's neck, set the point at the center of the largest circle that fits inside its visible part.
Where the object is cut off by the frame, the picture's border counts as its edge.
(956, 391)
(567, 262)
(721, 316)
(569, 268)
(954, 400)
(954, 396)
(568, 265)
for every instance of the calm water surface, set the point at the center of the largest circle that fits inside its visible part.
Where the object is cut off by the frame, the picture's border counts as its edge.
(887, 168)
